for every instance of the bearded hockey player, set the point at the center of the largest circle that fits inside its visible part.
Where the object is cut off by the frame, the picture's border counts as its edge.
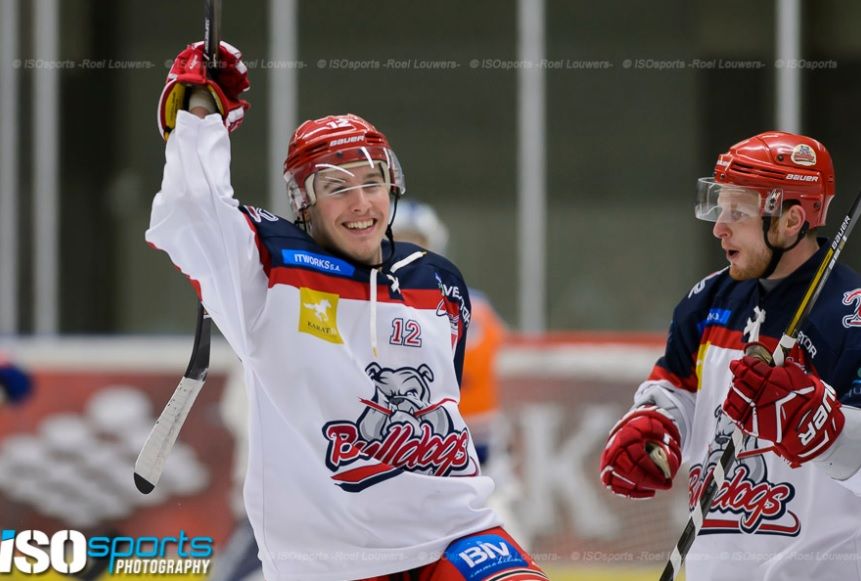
(789, 508)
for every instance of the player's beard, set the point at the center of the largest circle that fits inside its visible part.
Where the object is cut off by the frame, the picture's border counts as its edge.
(754, 266)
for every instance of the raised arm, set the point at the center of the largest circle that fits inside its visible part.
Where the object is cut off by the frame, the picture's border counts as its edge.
(195, 218)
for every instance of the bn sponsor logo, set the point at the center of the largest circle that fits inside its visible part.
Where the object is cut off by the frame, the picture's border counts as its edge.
(482, 552)
(477, 557)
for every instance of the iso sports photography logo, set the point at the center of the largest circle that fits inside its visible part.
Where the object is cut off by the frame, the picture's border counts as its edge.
(38, 552)
(33, 552)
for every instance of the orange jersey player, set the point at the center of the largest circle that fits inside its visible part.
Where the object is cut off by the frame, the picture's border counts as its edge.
(479, 397)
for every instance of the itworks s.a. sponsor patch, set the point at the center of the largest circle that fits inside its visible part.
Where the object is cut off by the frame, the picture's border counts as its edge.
(318, 314)
(327, 264)
(478, 556)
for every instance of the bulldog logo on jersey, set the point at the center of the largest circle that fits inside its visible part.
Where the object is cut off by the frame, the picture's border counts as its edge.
(747, 502)
(318, 313)
(401, 428)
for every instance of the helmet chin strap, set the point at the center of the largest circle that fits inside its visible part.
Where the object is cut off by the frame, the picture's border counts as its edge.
(776, 252)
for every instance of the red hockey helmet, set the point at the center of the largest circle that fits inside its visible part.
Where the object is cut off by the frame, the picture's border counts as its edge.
(336, 141)
(767, 170)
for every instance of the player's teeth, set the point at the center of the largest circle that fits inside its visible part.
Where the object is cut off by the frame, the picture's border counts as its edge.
(360, 225)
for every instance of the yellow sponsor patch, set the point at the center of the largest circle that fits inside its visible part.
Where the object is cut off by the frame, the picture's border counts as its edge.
(318, 314)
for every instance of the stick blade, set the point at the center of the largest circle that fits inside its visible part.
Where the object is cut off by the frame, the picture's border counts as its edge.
(154, 453)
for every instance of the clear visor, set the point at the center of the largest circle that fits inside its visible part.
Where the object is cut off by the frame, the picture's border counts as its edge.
(719, 202)
(374, 170)
(337, 180)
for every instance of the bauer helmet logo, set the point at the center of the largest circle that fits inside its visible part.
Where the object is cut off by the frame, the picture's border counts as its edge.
(345, 140)
(801, 178)
(803, 154)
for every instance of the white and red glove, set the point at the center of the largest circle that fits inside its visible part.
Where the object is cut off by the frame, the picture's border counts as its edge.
(784, 405)
(628, 465)
(189, 69)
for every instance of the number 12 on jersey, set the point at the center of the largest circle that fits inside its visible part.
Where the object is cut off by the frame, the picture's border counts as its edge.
(406, 332)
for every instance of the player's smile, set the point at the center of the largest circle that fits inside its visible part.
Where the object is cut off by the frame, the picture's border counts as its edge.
(361, 228)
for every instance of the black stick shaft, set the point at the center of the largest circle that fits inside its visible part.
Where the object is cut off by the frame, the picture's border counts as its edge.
(211, 31)
(198, 364)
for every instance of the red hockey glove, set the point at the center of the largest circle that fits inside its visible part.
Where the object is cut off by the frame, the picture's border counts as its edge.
(627, 468)
(785, 405)
(189, 68)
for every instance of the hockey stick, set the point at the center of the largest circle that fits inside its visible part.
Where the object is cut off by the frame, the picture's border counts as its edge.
(786, 343)
(158, 445)
(161, 439)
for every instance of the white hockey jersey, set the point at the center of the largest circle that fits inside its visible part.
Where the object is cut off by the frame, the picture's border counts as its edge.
(359, 462)
(768, 522)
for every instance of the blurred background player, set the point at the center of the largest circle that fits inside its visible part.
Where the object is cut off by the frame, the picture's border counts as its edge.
(789, 508)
